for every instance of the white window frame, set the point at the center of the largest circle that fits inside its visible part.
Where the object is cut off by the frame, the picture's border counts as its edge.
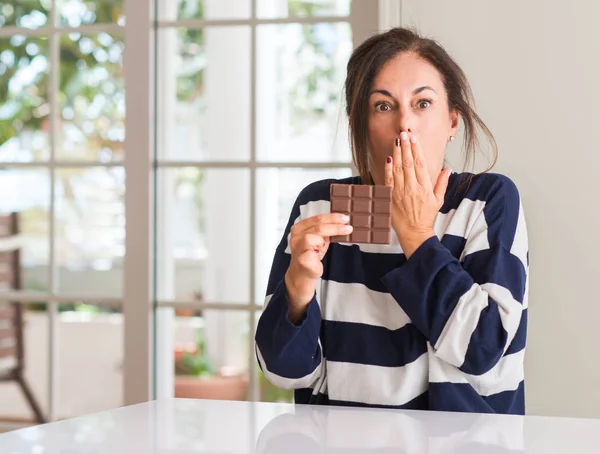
(138, 302)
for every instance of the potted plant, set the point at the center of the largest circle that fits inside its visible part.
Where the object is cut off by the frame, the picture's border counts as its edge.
(271, 393)
(197, 377)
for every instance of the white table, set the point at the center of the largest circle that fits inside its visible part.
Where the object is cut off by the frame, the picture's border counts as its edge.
(189, 426)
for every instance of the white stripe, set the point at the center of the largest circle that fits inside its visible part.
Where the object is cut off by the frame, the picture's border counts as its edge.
(290, 383)
(505, 376)
(306, 211)
(510, 309)
(526, 293)
(318, 294)
(377, 385)
(456, 335)
(453, 343)
(460, 221)
(267, 299)
(477, 239)
(520, 244)
(355, 303)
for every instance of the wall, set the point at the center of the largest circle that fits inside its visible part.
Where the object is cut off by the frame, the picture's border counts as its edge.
(534, 67)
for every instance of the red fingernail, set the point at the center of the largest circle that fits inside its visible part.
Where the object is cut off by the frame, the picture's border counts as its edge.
(398, 142)
(389, 159)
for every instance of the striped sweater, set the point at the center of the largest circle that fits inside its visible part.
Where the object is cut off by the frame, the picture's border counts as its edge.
(444, 330)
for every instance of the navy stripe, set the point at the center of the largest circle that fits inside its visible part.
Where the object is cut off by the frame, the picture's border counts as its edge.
(508, 402)
(455, 244)
(498, 266)
(462, 397)
(481, 187)
(520, 339)
(375, 345)
(305, 396)
(502, 222)
(418, 403)
(351, 265)
(302, 354)
(487, 342)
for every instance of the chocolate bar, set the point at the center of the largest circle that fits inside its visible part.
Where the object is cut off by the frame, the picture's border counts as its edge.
(369, 208)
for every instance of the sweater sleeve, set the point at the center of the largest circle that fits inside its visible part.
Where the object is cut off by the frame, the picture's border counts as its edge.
(289, 355)
(472, 309)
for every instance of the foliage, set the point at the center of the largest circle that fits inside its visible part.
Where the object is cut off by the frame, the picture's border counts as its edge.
(90, 97)
(196, 363)
(271, 393)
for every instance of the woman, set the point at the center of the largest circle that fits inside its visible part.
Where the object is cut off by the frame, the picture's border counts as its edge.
(435, 320)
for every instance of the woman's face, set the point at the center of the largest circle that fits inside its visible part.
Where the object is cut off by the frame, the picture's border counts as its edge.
(408, 95)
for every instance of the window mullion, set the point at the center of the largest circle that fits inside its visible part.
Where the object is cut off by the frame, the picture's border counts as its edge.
(53, 325)
(251, 369)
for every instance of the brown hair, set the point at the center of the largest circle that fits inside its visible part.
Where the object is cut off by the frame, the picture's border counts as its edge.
(366, 62)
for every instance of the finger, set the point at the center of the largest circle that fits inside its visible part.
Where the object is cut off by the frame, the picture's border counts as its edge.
(389, 172)
(397, 170)
(311, 263)
(420, 164)
(442, 185)
(327, 218)
(329, 230)
(410, 179)
(309, 242)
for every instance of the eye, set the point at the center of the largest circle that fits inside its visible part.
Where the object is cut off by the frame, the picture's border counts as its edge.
(382, 107)
(424, 103)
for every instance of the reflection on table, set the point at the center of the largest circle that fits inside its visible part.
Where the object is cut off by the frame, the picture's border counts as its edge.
(202, 426)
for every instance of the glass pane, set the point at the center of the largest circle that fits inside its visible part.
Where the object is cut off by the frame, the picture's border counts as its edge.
(277, 190)
(24, 109)
(90, 229)
(204, 94)
(74, 13)
(90, 358)
(211, 354)
(300, 107)
(32, 205)
(13, 405)
(203, 235)
(24, 13)
(171, 10)
(267, 9)
(92, 98)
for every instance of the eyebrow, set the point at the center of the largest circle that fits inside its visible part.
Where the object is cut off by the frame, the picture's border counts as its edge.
(416, 91)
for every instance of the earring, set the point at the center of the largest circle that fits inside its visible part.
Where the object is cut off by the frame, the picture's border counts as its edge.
(450, 139)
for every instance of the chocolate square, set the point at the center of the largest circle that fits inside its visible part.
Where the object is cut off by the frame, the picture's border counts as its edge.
(370, 212)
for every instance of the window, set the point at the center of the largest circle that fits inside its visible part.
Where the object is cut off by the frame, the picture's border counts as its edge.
(250, 110)
(154, 149)
(62, 126)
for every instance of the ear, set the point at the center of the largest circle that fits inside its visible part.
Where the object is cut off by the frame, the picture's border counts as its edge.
(454, 122)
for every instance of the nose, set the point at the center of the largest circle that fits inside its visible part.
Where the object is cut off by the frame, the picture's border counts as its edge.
(405, 120)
